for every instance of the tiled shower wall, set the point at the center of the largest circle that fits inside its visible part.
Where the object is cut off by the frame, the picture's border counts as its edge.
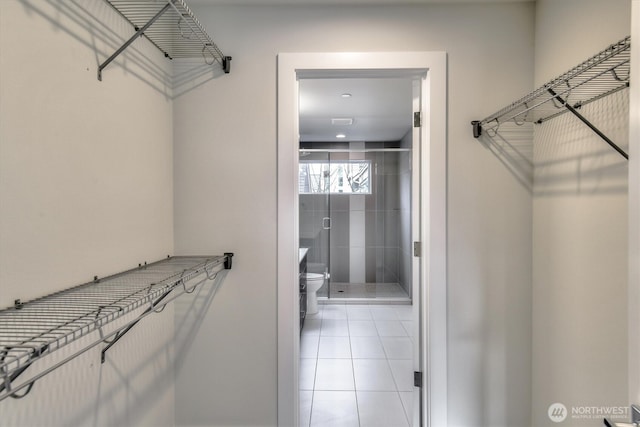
(369, 240)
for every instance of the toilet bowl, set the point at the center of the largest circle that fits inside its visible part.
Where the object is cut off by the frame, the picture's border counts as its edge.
(314, 282)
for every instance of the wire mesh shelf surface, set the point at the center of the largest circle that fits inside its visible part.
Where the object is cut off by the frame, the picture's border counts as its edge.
(603, 74)
(31, 330)
(177, 33)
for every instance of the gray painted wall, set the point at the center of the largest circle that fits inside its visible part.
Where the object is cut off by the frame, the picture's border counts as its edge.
(86, 188)
(227, 373)
(580, 226)
(489, 212)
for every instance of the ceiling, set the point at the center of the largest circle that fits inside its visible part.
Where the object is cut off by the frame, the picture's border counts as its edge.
(381, 109)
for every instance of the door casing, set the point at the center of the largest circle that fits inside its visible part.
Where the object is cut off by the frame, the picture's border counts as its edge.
(432, 212)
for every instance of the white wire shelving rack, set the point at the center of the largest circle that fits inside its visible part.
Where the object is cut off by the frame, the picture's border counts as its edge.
(601, 75)
(31, 331)
(171, 27)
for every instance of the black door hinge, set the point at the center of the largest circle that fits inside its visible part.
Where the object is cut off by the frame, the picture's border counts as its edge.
(417, 119)
(417, 379)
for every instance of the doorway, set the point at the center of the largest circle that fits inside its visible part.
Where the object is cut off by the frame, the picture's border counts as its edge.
(355, 180)
(355, 214)
(429, 313)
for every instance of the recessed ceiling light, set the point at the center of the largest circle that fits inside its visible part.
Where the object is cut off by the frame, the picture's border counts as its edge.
(341, 136)
(346, 95)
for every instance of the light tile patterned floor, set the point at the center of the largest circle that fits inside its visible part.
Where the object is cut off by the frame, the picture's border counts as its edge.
(356, 366)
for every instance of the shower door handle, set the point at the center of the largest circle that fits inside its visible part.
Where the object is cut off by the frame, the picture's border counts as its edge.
(326, 223)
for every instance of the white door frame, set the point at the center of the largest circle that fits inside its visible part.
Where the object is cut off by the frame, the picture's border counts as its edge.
(433, 234)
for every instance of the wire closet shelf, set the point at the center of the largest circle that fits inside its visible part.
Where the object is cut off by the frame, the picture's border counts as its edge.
(172, 27)
(32, 330)
(599, 76)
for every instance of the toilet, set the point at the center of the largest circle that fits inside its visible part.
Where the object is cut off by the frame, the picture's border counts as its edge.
(314, 282)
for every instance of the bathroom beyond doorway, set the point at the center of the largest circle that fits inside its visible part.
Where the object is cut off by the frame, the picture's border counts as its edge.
(429, 69)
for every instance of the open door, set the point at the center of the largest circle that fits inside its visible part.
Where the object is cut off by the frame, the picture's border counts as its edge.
(418, 391)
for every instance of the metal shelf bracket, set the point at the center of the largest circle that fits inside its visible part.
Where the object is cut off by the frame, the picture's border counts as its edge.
(126, 44)
(588, 123)
(154, 304)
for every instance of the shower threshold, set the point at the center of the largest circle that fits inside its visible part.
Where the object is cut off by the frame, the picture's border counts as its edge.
(364, 293)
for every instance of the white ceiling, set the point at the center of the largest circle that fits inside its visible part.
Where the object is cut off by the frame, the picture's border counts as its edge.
(381, 108)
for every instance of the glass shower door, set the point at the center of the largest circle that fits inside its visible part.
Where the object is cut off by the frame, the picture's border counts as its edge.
(314, 214)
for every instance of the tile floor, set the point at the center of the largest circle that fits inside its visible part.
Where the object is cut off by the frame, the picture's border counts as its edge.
(356, 366)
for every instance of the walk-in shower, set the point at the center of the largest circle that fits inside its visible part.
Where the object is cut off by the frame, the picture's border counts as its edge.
(355, 217)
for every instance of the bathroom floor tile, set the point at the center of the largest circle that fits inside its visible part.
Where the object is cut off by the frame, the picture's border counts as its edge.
(334, 348)
(309, 346)
(383, 312)
(373, 375)
(334, 409)
(407, 402)
(334, 311)
(404, 312)
(358, 312)
(307, 373)
(334, 374)
(356, 365)
(367, 348)
(397, 347)
(390, 328)
(362, 328)
(334, 328)
(306, 398)
(408, 326)
(402, 374)
(311, 327)
(381, 409)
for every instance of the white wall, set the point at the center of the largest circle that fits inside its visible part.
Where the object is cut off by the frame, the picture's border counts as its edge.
(225, 171)
(580, 225)
(85, 189)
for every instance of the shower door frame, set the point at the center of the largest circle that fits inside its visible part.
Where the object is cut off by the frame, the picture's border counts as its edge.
(432, 301)
(323, 244)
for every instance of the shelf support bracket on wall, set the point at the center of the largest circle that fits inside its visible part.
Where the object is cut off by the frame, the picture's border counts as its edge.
(120, 334)
(227, 266)
(138, 33)
(584, 120)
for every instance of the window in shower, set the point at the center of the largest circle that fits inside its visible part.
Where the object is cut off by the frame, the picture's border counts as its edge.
(351, 177)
